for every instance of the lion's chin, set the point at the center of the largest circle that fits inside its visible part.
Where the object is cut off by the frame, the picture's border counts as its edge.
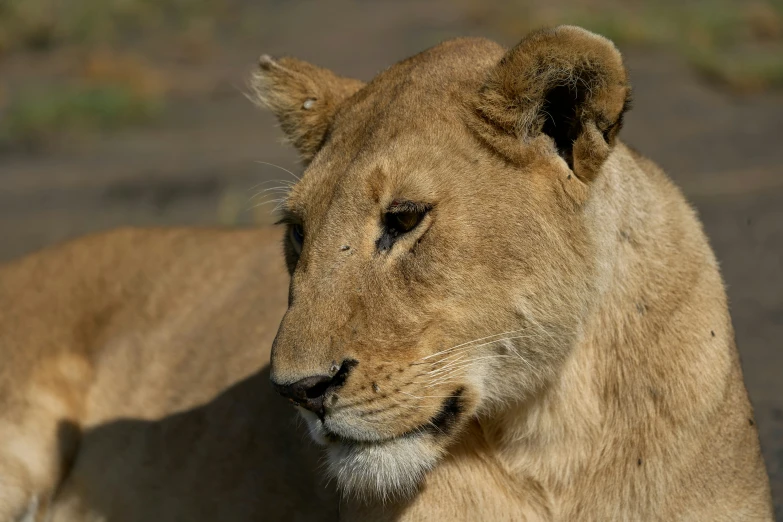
(382, 470)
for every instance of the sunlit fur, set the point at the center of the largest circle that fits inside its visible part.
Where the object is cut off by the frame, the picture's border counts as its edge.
(560, 287)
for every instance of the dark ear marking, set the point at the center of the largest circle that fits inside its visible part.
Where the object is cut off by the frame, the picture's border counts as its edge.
(561, 122)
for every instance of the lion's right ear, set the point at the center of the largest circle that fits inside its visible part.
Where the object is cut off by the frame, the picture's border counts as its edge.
(304, 98)
(566, 84)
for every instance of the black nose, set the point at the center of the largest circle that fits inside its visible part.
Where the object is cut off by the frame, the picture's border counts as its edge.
(310, 392)
(307, 393)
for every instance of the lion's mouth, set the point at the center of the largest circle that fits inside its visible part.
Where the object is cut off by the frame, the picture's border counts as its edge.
(336, 438)
(441, 423)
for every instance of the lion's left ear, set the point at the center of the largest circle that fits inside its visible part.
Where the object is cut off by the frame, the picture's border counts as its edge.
(565, 83)
(304, 98)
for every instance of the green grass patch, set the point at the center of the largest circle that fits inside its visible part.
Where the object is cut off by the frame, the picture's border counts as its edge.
(751, 73)
(42, 24)
(34, 117)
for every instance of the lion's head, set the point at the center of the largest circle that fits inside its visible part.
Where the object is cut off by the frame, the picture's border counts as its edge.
(440, 241)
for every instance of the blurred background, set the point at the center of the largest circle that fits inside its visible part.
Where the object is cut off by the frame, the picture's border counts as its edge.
(133, 112)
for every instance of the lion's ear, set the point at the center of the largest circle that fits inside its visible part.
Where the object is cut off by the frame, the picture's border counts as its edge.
(303, 97)
(566, 83)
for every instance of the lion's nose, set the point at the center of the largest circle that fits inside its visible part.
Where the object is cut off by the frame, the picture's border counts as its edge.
(308, 392)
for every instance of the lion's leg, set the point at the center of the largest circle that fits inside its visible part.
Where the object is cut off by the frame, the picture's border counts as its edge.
(31, 463)
(39, 436)
(18, 502)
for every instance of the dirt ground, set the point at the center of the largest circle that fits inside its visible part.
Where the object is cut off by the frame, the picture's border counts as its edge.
(199, 164)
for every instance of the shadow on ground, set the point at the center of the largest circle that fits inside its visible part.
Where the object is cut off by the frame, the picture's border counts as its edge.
(181, 463)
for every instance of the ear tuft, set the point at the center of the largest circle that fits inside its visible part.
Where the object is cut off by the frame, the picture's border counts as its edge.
(566, 83)
(304, 98)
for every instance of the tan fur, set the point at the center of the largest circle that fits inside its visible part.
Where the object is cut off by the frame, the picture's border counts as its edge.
(132, 388)
(615, 391)
(550, 342)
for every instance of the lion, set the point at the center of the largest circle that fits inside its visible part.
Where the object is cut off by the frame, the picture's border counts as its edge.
(496, 311)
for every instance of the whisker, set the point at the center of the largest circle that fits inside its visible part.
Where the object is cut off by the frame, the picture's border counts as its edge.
(287, 181)
(264, 202)
(446, 366)
(279, 190)
(519, 355)
(539, 326)
(487, 344)
(464, 364)
(279, 204)
(279, 167)
(470, 342)
(430, 396)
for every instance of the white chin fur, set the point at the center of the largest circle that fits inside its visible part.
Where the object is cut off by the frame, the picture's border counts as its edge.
(384, 470)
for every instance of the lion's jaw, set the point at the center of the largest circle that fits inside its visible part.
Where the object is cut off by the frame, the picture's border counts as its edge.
(386, 469)
(389, 460)
(368, 464)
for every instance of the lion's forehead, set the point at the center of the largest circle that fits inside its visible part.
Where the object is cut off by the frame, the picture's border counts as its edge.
(418, 92)
(401, 129)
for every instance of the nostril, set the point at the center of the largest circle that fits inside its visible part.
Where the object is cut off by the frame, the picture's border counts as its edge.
(309, 392)
(306, 389)
(319, 388)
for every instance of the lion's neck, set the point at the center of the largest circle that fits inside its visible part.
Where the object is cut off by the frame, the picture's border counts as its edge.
(623, 375)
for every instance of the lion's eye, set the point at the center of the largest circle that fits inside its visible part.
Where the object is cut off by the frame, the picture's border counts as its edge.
(297, 237)
(400, 218)
(402, 222)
